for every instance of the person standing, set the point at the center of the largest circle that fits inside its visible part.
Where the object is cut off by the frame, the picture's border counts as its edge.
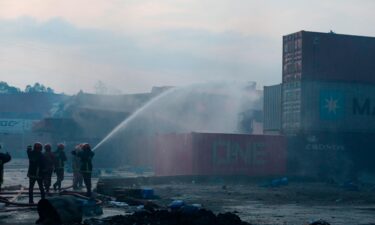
(76, 166)
(49, 165)
(35, 171)
(4, 158)
(60, 159)
(86, 156)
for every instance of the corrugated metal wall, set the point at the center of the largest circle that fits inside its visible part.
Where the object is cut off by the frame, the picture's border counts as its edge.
(338, 57)
(272, 108)
(236, 154)
(173, 155)
(315, 56)
(291, 106)
(331, 154)
(220, 154)
(292, 57)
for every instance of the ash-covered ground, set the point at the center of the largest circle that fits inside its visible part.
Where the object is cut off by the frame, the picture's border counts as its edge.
(298, 202)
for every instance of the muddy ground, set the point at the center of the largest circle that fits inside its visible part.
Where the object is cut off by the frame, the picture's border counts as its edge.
(296, 203)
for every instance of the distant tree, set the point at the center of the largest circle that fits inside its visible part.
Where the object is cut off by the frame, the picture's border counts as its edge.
(50, 90)
(6, 89)
(115, 91)
(101, 88)
(37, 87)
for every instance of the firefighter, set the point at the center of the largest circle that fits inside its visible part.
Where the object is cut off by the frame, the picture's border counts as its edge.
(35, 172)
(76, 166)
(4, 158)
(49, 165)
(86, 156)
(60, 159)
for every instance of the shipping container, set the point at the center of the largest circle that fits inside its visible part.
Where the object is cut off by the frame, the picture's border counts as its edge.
(292, 57)
(338, 107)
(291, 106)
(314, 56)
(219, 154)
(29, 106)
(331, 154)
(272, 108)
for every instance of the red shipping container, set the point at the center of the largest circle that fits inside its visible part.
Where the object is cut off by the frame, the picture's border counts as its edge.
(219, 154)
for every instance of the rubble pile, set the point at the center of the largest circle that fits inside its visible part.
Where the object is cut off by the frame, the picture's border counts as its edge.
(165, 217)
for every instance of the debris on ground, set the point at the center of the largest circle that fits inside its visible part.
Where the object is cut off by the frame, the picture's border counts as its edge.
(176, 204)
(118, 204)
(148, 193)
(90, 208)
(12, 188)
(59, 210)
(350, 186)
(165, 217)
(319, 222)
(276, 182)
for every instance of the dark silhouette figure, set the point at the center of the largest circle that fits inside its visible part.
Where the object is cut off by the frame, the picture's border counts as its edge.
(36, 168)
(4, 158)
(86, 156)
(49, 165)
(76, 166)
(60, 159)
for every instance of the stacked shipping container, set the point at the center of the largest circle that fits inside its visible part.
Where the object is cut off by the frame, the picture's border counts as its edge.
(327, 102)
(311, 60)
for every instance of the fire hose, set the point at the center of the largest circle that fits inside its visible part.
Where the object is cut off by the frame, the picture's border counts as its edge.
(72, 193)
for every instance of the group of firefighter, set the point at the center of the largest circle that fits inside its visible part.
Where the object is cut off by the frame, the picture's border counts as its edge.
(42, 165)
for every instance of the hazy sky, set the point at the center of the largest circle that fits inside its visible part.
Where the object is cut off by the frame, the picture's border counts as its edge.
(132, 45)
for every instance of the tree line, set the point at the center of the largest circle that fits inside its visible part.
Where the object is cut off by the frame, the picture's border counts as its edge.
(5, 88)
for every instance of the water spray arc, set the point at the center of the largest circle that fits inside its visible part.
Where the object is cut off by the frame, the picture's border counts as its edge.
(123, 124)
(215, 107)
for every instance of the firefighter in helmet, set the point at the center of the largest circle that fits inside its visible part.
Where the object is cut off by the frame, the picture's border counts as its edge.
(36, 168)
(86, 156)
(76, 166)
(49, 165)
(60, 159)
(4, 158)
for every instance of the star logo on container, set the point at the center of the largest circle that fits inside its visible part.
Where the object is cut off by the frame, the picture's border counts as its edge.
(331, 105)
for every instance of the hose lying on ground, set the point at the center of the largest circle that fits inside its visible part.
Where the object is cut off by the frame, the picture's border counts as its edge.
(19, 204)
(26, 191)
(80, 195)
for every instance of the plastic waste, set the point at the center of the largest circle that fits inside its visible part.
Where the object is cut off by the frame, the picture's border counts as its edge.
(89, 208)
(140, 208)
(118, 204)
(277, 182)
(147, 193)
(176, 204)
(190, 209)
(197, 205)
